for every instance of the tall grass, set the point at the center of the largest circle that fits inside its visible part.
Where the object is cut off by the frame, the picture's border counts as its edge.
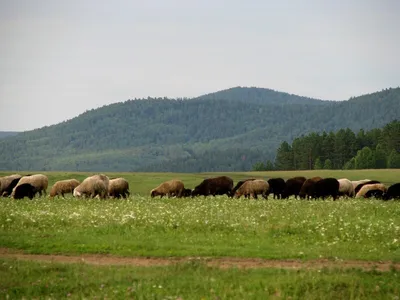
(347, 229)
(32, 280)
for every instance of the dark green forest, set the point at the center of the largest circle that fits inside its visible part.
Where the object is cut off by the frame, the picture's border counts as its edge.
(344, 149)
(229, 130)
(4, 134)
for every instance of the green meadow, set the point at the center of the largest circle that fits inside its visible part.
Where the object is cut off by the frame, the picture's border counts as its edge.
(346, 229)
(46, 280)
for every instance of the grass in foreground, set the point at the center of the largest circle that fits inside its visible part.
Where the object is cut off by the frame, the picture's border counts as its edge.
(141, 226)
(21, 279)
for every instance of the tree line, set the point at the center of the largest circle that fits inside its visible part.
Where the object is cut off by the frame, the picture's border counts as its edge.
(374, 149)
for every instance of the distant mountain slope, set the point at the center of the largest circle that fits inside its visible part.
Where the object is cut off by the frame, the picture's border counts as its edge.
(4, 134)
(259, 96)
(224, 131)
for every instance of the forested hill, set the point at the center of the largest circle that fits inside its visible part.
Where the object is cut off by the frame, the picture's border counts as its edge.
(259, 96)
(226, 131)
(4, 134)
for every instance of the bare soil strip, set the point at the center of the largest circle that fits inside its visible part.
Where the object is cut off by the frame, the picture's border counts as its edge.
(224, 262)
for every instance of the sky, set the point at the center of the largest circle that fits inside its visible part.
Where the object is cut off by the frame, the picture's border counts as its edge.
(61, 58)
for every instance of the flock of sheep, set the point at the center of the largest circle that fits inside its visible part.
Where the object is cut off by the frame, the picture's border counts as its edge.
(100, 186)
(302, 187)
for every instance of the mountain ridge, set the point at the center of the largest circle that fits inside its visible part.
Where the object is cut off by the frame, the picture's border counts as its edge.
(225, 131)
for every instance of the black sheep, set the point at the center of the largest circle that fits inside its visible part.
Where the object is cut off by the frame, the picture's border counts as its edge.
(393, 192)
(276, 187)
(214, 186)
(293, 186)
(25, 190)
(326, 187)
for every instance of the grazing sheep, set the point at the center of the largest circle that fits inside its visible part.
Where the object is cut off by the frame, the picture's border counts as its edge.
(276, 187)
(393, 192)
(187, 193)
(293, 187)
(346, 188)
(252, 188)
(369, 187)
(39, 181)
(92, 186)
(214, 186)
(377, 194)
(10, 187)
(63, 187)
(307, 189)
(169, 188)
(104, 178)
(24, 190)
(359, 187)
(7, 183)
(238, 185)
(326, 187)
(118, 187)
(357, 182)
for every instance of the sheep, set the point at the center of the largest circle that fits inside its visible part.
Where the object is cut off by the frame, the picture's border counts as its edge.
(214, 186)
(346, 188)
(7, 183)
(93, 186)
(238, 185)
(118, 187)
(358, 187)
(24, 190)
(63, 187)
(307, 189)
(293, 186)
(187, 193)
(369, 187)
(393, 192)
(39, 181)
(104, 178)
(377, 194)
(326, 187)
(357, 182)
(170, 188)
(253, 188)
(276, 187)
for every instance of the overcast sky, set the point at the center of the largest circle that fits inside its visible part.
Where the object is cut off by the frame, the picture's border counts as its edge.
(60, 58)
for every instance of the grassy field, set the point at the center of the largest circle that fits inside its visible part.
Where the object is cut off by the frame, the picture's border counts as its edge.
(141, 226)
(33, 280)
(213, 227)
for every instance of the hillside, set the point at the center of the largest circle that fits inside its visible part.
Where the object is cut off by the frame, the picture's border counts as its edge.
(4, 134)
(225, 131)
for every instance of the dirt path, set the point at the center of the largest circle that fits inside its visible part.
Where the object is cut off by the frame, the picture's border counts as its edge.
(225, 262)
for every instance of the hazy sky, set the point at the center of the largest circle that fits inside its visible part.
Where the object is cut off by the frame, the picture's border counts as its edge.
(60, 58)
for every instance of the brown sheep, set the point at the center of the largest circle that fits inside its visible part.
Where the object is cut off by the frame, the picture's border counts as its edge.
(63, 187)
(92, 186)
(253, 188)
(7, 184)
(369, 187)
(103, 178)
(346, 188)
(307, 189)
(118, 187)
(38, 181)
(357, 182)
(169, 188)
